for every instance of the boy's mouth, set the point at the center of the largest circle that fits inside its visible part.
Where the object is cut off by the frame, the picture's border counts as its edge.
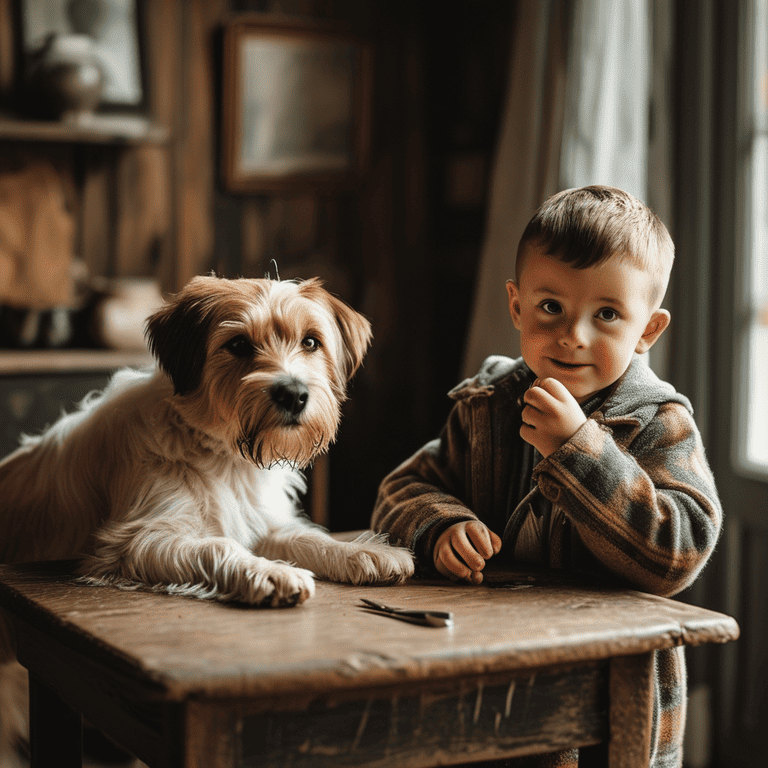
(563, 366)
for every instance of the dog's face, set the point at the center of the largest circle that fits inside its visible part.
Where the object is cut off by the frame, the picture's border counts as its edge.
(261, 364)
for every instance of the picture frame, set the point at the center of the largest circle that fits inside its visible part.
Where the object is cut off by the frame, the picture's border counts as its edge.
(296, 107)
(111, 32)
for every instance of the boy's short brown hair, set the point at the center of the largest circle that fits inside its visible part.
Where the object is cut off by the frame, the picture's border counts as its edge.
(584, 227)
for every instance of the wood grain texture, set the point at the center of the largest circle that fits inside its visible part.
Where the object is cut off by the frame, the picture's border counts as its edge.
(163, 23)
(7, 51)
(97, 211)
(190, 647)
(531, 665)
(67, 361)
(128, 707)
(194, 161)
(142, 203)
(212, 736)
(631, 694)
(454, 722)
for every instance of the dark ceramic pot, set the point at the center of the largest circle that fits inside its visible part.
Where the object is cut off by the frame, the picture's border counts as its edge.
(65, 80)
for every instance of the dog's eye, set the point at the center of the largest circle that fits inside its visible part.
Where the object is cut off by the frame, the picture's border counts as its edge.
(239, 346)
(310, 343)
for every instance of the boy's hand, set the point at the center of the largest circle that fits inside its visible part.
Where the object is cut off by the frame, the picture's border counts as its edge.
(462, 549)
(551, 416)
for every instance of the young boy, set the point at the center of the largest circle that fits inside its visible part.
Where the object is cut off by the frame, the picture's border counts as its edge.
(575, 456)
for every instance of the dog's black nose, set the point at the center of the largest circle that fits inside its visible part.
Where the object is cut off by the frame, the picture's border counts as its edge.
(291, 395)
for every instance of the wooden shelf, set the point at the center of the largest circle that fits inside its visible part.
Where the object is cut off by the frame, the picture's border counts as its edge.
(42, 361)
(98, 129)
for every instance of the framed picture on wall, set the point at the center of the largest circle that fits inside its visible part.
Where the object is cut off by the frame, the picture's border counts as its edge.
(296, 107)
(108, 31)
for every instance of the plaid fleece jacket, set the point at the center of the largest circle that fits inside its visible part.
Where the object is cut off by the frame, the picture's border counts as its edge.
(630, 497)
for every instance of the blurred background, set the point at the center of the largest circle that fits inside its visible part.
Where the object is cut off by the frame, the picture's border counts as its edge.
(396, 149)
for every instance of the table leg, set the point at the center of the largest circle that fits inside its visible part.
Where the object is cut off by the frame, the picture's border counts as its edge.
(55, 729)
(630, 716)
(631, 711)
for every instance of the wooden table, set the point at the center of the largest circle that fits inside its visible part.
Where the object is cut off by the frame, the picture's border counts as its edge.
(530, 665)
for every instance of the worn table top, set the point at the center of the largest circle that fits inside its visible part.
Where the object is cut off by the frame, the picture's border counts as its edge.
(188, 647)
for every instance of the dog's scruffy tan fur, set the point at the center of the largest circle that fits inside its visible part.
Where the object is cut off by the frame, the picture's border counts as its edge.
(186, 478)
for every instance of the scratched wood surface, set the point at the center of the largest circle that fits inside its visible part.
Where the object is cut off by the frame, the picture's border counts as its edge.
(531, 665)
(479, 719)
(189, 647)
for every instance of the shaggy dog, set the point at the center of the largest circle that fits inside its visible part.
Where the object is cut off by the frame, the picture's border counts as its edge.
(186, 478)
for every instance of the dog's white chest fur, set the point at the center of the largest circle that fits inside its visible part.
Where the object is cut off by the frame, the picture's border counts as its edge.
(247, 502)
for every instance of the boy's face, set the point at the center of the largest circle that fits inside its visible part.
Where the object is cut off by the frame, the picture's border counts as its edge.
(582, 326)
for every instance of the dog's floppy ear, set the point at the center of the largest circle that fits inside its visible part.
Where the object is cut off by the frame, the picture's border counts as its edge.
(355, 332)
(354, 328)
(178, 334)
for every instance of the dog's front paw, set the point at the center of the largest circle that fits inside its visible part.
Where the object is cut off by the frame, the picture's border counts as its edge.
(370, 560)
(276, 584)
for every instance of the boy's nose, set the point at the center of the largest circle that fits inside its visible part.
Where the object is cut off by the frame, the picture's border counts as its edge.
(573, 335)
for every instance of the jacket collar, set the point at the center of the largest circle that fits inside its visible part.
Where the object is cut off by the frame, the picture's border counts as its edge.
(638, 388)
(496, 372)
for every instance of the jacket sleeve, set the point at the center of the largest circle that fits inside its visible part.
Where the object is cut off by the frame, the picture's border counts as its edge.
(648, 511)
(427, 493)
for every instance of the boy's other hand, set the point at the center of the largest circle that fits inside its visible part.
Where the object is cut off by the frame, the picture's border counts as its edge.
(462, 549)
(551, 416)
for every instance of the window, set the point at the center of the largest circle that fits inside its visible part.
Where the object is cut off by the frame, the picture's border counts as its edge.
(752, 374)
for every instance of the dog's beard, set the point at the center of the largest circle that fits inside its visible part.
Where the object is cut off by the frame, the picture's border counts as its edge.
(296, 445)
(268, 435)
(282, 448)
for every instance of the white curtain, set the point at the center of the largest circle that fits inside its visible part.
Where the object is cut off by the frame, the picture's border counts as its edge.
(576, 113)
(525, 168)
(605, 125)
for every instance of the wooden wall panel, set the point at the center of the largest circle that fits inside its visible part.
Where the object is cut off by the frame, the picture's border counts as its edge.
(163, 27)
(96, 224)
(142, 197)
(195, 140)
(7, 52)
(254, 238)
(382, 240)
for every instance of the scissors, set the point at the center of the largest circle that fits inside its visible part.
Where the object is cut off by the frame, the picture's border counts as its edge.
(426, 618)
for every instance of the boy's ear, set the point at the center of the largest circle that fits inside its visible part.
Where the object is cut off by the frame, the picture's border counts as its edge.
(656, 326)
(514, 302)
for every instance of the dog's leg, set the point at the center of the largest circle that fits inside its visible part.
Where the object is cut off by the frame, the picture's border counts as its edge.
(212, 567)
(366, 560)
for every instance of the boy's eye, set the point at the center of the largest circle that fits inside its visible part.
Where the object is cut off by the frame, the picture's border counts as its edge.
(550, 307)
(608, 314)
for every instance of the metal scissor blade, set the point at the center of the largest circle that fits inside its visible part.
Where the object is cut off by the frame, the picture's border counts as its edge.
(428, 618)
